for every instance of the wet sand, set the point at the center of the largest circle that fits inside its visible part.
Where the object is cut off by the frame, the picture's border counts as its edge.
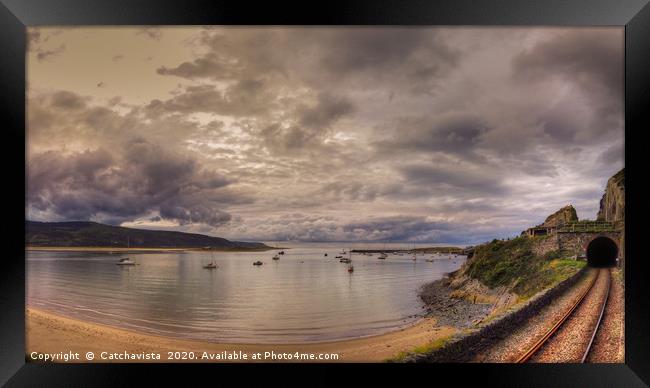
(51, 333)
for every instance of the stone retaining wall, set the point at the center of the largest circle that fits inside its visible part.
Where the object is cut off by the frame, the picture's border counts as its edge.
(465, 346)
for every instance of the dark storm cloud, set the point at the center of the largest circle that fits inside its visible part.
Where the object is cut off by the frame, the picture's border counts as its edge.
(322, 57)
(456, 133)
(33, 36)
(67, 101)
(121, 186)
(43, 54)
(458, 177)
(327, 110)
(36, 40)
(398, 228)
(246, 97)
(307, 125)
(338, 134)
(210, 66)
(151, 32)
(613, 154)
(300, 227)
(590, 59)
(380, 54)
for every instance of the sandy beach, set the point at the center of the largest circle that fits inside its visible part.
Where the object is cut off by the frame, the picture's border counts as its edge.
(49, 333)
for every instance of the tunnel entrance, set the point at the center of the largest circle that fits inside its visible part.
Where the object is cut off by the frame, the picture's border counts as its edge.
(602, 252)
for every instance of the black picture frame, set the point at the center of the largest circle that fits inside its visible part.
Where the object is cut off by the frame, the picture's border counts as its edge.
(16, 15)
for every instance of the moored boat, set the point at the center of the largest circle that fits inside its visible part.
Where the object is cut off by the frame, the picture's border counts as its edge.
(126, 261)
(257, 263)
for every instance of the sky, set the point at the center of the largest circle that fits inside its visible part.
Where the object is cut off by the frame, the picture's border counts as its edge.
(418, 134)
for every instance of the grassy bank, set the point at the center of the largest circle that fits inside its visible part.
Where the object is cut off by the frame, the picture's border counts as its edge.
(514, 265)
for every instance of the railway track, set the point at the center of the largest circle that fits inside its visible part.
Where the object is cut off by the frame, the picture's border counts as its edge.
(571, 337)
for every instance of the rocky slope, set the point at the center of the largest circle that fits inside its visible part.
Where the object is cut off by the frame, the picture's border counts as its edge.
(612, 204)
(566, 214)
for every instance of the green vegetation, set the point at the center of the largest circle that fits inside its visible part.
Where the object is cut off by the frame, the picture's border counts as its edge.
(513, 264)
(428, 348)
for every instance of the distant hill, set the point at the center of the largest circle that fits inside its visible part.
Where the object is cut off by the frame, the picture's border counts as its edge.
(93, 234)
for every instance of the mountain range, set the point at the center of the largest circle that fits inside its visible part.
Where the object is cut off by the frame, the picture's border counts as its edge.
(93, 234)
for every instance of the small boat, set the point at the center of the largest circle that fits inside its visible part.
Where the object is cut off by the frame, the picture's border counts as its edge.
(326, 255)
(211, 265)
(258, 263)
(429, 260)
(276, 257)
(382, 256)
(350, 269)
(126, 261)
(338, 257)
(344, 260)
(281, 253)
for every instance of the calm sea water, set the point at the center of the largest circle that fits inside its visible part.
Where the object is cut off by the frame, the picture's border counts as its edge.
(304, 296)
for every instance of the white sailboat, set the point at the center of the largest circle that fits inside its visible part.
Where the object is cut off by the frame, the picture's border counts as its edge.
(126, 260)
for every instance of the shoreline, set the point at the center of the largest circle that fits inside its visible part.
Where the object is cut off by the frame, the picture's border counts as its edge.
(143, 250)
(51, 333)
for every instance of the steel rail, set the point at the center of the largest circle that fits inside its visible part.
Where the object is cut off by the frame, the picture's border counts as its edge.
(600, 317)
(532, 350)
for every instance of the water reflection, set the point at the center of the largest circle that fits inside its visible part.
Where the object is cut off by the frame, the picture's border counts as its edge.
(304, 296)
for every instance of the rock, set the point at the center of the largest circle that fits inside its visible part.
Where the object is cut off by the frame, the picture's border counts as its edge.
(612, 204)
(566, 214)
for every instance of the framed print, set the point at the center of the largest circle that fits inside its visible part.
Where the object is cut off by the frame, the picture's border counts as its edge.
(371, 189)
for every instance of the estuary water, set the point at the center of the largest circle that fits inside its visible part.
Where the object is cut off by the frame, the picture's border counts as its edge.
(303, 297)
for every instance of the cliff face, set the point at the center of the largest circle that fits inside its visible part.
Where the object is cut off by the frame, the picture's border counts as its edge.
(612, 204)
(565, 214)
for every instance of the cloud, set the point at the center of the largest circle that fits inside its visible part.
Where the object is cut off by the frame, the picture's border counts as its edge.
(452, 133)
(122, 186)
(337, 134)
(590, 60)
(473, 180)
(308, 125)
(66, 100)
(325, 56)
(243, 98)
(151, 33)
(44, 54)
